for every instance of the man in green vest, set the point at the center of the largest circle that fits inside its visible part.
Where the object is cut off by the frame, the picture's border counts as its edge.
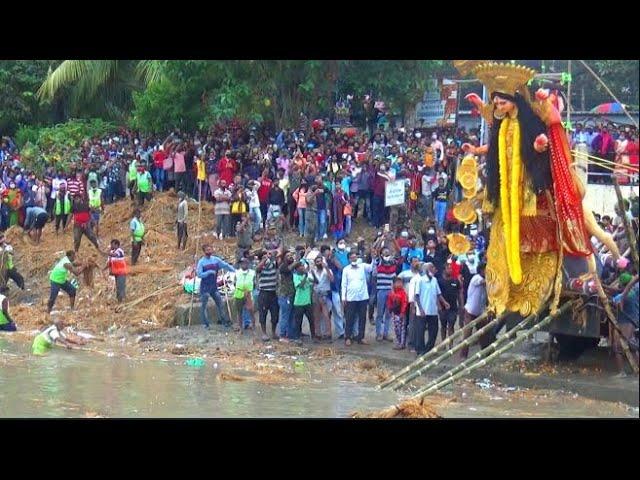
(132, 176)
(137, 236)
(243, 292)
(144, 184)
(62, 208)
(95, 204)
(59, 279)
(53, 334)
(6, 322)
(7, 268)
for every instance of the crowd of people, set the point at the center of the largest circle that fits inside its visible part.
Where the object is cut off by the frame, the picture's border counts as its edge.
(618, 144)
(317, 183)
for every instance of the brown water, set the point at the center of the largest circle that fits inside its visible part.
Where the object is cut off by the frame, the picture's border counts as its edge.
(81, 384)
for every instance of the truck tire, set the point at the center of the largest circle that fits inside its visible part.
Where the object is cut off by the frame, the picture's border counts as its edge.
(571, 347)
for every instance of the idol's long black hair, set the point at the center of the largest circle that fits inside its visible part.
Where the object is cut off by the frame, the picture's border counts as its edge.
(537, 165)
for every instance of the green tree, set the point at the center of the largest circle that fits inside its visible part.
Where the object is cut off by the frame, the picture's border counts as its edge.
(99, 87)
(19, 80)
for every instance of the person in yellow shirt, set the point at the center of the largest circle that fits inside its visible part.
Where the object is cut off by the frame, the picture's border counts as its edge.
(201, 176)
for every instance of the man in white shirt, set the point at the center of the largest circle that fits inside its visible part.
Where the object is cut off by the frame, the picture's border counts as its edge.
(355, 297)
(254, 205)
(427, 188)
(427, 298)
(476, 304)
(410, 278)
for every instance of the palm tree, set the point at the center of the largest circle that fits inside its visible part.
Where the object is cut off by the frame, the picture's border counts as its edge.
(103, 86)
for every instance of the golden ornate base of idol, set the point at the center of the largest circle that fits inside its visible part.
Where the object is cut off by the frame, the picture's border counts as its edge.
(538, 249)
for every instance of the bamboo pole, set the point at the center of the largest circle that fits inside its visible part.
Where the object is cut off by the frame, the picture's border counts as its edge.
(438, 348)
(614, 323)
(466, 343)
(195, 255)
(135, 302)
(481, 363)
(482, 353)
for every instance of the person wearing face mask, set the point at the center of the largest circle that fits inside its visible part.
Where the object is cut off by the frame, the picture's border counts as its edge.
(452, 292)
(384, 271)
(355, 297)
(428, 297)
(411, 251)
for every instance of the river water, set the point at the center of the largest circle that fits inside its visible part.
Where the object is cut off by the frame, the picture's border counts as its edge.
(82, 384)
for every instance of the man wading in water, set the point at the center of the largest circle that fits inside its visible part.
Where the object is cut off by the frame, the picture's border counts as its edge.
(50, 335)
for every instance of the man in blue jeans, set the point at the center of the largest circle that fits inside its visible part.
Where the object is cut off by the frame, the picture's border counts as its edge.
(441, 197)
(285, 291)
(207, 271)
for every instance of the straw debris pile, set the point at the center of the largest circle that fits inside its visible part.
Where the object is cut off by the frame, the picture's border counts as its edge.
(160, 265)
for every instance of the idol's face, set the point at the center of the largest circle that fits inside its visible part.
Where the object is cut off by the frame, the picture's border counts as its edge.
(502, 106)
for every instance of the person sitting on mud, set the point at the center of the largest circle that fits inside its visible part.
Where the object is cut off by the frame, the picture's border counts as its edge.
(53, 334)
(59, 279)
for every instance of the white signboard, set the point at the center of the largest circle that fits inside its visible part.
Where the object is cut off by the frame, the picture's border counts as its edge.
(394, 193)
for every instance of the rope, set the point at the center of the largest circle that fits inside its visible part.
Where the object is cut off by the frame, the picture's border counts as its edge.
(604, 160)
(616, 170)
(609, 91)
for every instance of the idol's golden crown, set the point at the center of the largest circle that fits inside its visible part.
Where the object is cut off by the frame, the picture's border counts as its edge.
(503, 77)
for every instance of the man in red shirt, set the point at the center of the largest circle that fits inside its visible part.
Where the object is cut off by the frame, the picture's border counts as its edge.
(227, 167)
(158, 169)
(263, 192)
(82, 223)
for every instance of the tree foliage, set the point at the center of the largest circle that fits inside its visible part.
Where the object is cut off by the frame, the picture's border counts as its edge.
(59, 144)
(19, 79)
(157, 95)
